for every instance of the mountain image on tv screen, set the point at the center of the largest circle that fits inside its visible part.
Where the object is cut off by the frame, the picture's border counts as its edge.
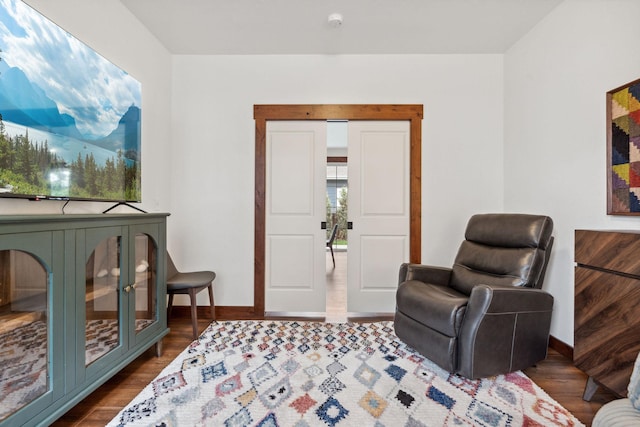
(69, 118)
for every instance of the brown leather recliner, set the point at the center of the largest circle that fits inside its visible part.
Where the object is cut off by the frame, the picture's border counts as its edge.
(487, 315)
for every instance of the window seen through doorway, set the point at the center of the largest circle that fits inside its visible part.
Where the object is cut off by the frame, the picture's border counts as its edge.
(337, 202)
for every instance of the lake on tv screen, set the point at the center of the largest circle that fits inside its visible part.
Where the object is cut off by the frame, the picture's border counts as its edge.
(63, 146)
(56, 160)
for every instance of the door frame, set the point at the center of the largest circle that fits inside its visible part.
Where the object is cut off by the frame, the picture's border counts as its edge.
(264, 113)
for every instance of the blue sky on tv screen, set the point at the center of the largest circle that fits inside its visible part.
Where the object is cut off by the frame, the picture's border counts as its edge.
(82, 83)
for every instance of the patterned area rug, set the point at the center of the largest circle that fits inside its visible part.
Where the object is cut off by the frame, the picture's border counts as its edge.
(23, 364)
(102, 336)
(23, 358)
(278, 373)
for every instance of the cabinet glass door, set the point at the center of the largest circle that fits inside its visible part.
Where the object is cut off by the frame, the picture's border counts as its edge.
(24, 340)
(102, 302)
(145, 282)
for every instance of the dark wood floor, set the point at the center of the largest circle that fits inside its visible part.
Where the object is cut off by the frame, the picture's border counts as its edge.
(556, 375)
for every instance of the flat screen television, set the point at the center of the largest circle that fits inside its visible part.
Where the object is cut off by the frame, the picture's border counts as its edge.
(70, 119)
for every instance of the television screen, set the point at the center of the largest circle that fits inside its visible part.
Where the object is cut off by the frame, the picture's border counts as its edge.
(70, 119)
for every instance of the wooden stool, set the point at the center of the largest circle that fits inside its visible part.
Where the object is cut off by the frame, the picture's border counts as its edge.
(189, 283)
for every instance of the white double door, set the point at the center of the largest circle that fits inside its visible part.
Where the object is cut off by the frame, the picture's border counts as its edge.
(378, 190)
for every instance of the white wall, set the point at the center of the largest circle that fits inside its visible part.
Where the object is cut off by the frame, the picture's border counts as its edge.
(213, 145)
(109, 28)
(556, 78)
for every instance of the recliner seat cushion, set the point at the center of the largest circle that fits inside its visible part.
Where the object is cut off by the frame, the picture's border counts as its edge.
(438, 307)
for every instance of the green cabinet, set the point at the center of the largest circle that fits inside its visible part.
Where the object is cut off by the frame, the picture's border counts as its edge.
(81, 296)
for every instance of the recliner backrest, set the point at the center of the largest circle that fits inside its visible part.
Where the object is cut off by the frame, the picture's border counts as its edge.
(503, 249)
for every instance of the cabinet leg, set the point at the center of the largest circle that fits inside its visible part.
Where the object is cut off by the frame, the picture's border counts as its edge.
(158, 346)
(589, 389)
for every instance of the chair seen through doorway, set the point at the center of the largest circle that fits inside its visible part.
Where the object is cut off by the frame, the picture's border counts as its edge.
(330, 242)
(189, 283)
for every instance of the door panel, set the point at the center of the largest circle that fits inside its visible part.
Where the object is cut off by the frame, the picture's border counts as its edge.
(380, 259)
(295, 207)
(378, 164)
(383, 161)
(285, 274)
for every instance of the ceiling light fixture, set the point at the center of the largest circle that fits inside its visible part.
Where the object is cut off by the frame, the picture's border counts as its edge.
(335, 20)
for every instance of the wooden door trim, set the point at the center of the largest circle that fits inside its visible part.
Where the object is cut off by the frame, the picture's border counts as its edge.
(341, 159)
(264, 113)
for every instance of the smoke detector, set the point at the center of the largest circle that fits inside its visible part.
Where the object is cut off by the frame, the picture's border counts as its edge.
(335, 20)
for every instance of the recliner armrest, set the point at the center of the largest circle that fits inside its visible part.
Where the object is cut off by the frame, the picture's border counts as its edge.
(504, 329)
(508, 299)
(425, 273)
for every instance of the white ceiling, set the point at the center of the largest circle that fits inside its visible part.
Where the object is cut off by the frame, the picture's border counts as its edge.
(209, 27)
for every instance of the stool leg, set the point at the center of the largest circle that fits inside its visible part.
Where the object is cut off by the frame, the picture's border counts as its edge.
(194, 312)
(211, 305)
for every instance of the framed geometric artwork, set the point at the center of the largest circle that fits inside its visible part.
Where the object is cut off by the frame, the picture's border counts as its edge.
(623, 150)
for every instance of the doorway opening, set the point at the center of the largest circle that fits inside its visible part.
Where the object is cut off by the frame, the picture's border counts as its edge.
(337, 211)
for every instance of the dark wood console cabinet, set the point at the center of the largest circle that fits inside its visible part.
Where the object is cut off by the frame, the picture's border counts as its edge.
(607, 307)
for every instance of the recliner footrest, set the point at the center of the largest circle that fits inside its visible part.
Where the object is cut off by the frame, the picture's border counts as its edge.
(437, 307)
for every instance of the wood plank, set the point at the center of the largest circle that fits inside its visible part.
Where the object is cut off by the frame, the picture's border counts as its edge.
(415, 190)
(565, 383)
(337, 112)
(609, 250)
(260, 229)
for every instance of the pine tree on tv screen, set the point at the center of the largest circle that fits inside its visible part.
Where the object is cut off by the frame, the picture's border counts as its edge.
(69, 118)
